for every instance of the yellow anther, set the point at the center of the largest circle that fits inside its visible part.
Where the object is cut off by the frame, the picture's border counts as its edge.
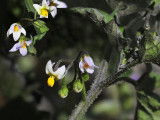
(16, 29)
(50, 81)
(44, 12)
(24, 45)
(86, 65)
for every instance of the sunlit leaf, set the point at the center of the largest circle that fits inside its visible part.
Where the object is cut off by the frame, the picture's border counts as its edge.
(38, 37)
(95, 14)
(40, 26)
(148, 106)
(157, 2)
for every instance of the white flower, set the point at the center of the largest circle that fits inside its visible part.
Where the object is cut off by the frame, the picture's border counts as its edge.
(54, 75)
(44, 10)
(57, 4)
(16, 29)
(86, 64)
(21, 46)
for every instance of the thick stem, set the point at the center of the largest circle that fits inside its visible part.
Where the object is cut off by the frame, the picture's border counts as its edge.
(97, 88)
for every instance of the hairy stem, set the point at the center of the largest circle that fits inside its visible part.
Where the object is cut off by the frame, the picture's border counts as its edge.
(99, 84)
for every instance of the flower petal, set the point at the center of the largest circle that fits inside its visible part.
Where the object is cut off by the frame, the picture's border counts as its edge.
(28, 42)
(15, 47)
(9, 32)
(48, 2)
(89, 60)
(61, 4)
(43, 16)
(90, 70)
(81, 64)
(23, 31)
(53, 11)
(23, 51)
(37, 7)
(49, 67)
(44, 3)
(12, 26)
(16, 35)
(60, 72)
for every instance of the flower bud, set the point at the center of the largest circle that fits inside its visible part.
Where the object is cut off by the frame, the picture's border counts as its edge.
(77, 86)
(85, 77)
(63, 92)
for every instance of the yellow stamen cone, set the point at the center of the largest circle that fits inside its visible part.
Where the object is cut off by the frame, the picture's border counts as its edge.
(50, 81)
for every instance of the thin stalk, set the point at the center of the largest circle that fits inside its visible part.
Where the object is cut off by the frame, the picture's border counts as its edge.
(96, 89)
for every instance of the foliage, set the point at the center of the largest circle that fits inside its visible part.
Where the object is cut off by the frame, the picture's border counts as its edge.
(124, 35)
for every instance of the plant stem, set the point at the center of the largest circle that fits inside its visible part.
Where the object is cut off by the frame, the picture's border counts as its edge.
(35, 15)
(97, 88)
(84, 91)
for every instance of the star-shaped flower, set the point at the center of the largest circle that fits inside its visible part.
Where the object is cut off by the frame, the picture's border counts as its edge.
(21, 46)
(16, 29)
(44, 9)
(86, 64)
(54, 75)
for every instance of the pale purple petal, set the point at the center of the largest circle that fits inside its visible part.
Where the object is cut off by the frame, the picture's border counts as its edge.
(90, 70)
(23, 51)
(81, 64)
(48, 2)
(28, 42)
(89, 60)
(23, 31)
(16, 35)
(15, 47)
(61, 4)
(53, 11)
(49, 67)
(9, 32)
(60, 72)
(44, 3)
(12, 26)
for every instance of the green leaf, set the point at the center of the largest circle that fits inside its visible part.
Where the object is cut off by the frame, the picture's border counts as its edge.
(148, 106)
(150, 48)
(40, 26)
(149, 81)
(157, 2)
(32, 49)
(95, 14)
(29, 5)
(38, 37)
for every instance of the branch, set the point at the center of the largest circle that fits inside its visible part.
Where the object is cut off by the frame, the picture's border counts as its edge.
(99, 84)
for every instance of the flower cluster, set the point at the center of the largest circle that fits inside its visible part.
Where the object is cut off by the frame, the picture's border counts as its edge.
(16, 29)
(86, 66)
(49, 7)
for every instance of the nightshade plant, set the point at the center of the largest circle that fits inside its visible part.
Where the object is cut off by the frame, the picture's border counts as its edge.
(130, 46)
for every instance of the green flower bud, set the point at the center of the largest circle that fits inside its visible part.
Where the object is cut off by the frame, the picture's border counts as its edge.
(63, 92)
(85, 77)
(77, 86)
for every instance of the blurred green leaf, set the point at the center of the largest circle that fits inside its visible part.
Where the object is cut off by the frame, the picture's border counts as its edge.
(149, 81)
(32, 49)
(157, 2)
(95, 14)
(150, 48)
(38, 37)
(148, 106)
(40, 27)
(29, 5)
(107, 107)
